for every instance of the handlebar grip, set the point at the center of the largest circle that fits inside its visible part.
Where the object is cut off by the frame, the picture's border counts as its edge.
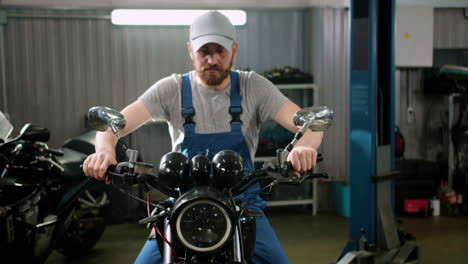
(319, 157)
(290, 167)
(111, 168)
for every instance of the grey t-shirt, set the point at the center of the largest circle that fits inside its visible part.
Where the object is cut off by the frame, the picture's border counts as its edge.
(261, 100)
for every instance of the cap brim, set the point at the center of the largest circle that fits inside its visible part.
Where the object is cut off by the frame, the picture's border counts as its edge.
(203, 40)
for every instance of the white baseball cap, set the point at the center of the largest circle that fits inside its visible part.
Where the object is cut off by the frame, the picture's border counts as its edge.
(212, 27)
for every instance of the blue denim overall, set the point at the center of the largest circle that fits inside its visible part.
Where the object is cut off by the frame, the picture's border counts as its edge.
(267, 247)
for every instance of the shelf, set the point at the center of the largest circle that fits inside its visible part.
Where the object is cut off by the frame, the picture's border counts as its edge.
(296, 86)
(264, 158)
(309, 94)
(312, 202)
(289, 202)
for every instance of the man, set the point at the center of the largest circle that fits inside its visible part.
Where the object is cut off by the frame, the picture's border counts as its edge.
(210, 109)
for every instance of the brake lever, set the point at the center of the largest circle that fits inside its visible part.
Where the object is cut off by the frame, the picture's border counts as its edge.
(304, 176)
(154, 218)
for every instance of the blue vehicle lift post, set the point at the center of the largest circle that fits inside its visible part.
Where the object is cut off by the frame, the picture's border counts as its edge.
(373, 233)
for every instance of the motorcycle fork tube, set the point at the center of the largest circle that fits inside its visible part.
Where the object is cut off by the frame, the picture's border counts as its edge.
(238, 256)
(168, 259)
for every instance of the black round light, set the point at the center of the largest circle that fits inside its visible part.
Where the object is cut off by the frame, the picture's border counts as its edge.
(201, 167)
(228, 169)
(203, 220)
(173, 169)
(203, 226)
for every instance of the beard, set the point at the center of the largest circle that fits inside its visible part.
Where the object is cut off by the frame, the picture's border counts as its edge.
(214, 78)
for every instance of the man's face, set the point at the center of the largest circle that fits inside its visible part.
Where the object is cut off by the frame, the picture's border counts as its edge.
(213, 63)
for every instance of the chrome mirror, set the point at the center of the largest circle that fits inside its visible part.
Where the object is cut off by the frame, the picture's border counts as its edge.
(317, 118)
(5, 127)
(101, 118)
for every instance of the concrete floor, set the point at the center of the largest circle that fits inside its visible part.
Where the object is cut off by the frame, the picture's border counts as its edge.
(306, 239)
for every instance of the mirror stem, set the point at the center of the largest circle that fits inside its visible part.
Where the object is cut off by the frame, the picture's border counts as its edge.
(115, 131)
(117, 134)
(122, 145)
(282, 154)
(297, 136)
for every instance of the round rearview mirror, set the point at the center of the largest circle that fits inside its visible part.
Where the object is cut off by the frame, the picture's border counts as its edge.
(101, 118)
(318, 118)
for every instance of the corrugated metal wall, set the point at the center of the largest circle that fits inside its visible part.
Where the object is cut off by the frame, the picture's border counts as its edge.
(450, 28)
(330, 67)
(57, 68)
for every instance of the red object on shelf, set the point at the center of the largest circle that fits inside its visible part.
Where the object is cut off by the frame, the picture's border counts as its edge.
(415, 206)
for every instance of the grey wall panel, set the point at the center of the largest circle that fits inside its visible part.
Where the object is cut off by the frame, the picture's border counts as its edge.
(274, 38)
(58, 68)
(153, 141)
(450, 28)
(330, 66)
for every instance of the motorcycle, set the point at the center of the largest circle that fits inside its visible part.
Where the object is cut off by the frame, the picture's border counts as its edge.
(46, 202)
(202, 221)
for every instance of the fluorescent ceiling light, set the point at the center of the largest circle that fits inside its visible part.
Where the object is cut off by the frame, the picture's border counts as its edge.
(169, 17)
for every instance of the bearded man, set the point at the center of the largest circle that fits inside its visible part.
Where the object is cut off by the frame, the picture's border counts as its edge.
(210, 109)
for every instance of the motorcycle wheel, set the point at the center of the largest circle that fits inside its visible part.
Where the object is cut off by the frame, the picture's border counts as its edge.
(87, 224)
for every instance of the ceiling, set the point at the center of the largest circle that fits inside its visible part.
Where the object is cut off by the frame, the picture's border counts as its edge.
(92, 4)
(174, 3)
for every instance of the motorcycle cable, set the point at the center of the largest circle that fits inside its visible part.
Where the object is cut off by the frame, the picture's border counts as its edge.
(269, 186)
(156, 229)
(148, 206)
(247, 203)
(134, 197)
(276, 181)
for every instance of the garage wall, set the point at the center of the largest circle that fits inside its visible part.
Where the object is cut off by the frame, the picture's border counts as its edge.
(61, 64)
(427, 136)
(330, 66)
(450, 28)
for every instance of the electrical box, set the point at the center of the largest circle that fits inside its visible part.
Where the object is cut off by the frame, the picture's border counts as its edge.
(414, 36)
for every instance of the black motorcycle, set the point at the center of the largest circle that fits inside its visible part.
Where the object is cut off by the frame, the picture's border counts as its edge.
(202, 221)
(46, 202)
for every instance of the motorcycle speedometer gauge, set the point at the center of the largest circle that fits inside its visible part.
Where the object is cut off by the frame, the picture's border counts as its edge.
(203, 225)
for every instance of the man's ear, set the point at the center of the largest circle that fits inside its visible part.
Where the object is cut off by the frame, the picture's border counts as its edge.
(189, 47)
(235, 46)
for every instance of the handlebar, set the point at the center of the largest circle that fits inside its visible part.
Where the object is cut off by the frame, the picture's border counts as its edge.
(269, 171)
(129, 177)
(276, 175)
(55, 152)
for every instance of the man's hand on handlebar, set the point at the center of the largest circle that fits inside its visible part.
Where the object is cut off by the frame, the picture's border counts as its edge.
(96, 164)
(303, 158)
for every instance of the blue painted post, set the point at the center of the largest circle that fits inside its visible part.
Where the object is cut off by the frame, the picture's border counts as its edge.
(370, 25)
(363, 109)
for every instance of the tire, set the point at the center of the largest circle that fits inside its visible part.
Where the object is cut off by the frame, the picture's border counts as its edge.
(86, 226)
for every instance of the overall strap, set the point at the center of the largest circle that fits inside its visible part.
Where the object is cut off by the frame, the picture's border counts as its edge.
(187, 106)
(235, 109)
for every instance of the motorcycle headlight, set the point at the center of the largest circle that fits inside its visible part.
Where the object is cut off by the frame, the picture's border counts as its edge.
(228, 169)
(173, 169)
(201, 222)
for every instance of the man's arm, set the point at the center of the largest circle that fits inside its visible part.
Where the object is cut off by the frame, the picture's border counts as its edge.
(136, 114)
(304, 154)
